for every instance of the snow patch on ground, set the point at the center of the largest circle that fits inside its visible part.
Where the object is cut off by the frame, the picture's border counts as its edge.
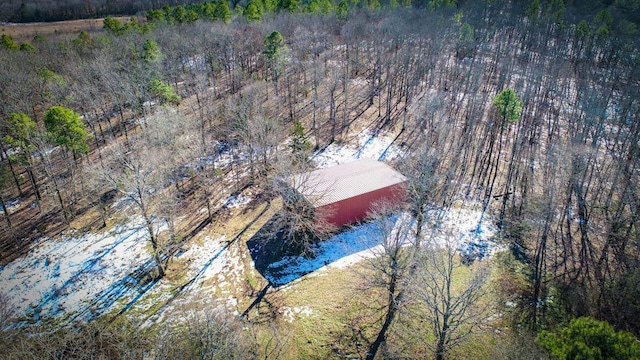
(81, 275)
(370, 146)
(206, 261)
(122, 203)
(225, 155)
(235, 201)
(211, 266)
(457, 227)
(11, 205)
(465, 229)
(345, 248)
(359, 82)
(289, 313)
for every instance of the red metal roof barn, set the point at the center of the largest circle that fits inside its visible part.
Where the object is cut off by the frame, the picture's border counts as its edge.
(347, 193)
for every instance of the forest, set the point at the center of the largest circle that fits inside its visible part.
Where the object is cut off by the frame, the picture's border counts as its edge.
(182, 121)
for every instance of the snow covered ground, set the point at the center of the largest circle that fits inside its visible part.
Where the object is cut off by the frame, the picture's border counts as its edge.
(213, 270)
(236, 201)
(370, 146)
(457, 227)
(344, 248)
(81, 277)
(77, 275)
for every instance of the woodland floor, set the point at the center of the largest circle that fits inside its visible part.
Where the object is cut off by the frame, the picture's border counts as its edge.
(80, 276)
(84, 271)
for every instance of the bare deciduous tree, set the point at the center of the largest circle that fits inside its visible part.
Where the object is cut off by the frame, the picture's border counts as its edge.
(300, 223)
(391, 266)
(94, 340)
(139, 172)
(204, 334)
(452, 304)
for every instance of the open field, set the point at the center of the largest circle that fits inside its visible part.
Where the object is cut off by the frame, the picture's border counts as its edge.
(29, 30)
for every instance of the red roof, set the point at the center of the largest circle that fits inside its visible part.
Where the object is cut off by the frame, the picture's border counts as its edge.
(330, 185)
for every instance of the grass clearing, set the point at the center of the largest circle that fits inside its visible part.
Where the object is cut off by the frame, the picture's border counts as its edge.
(332, 314)
(316, 311)
(25, 31)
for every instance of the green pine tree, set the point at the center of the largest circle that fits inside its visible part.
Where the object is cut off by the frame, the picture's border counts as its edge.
(299, 143)
(587, 338)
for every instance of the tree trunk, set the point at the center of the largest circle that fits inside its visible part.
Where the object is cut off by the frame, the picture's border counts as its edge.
(314, 127)
(5, 211)
(32, 178)
(440, 346)
(15, 177)
(51, 173)
(157, 252)
(332, 112)
(60, 200)
(392, 307)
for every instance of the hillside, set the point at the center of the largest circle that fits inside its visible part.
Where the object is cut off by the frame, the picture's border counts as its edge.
(140, 183)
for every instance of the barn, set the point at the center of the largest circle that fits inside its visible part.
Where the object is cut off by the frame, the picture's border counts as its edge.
(347, 193)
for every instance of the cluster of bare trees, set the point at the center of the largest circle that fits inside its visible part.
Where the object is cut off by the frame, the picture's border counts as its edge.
(417, 268)
(198, 334)
(560, 176)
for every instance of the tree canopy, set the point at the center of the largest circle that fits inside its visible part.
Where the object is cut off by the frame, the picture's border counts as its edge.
(164, 92)
(589, 339)
(299, 144)
(66, 129)
(20, 130)
(272, 45)
(508, 104)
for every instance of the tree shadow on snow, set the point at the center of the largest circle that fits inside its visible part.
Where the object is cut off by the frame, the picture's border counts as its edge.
(280, 267)
(131, 286)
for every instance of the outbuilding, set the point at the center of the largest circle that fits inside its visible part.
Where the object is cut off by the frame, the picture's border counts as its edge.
(347, 193)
